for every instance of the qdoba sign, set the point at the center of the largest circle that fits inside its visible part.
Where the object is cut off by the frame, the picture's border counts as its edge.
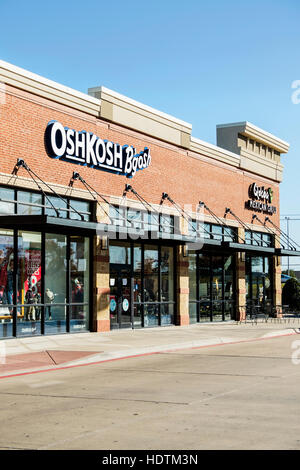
(87, 149)
(261, 199)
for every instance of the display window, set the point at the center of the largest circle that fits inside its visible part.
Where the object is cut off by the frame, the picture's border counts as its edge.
(29, 283)
(212, 293)
(44, 283)
(141, 285)
(6, 282)
(259, 285)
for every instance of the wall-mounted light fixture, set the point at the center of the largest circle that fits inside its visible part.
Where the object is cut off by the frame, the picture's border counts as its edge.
(104, 242)
(185, 251)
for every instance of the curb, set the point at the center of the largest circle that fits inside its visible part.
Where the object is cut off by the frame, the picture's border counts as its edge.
(168, 349)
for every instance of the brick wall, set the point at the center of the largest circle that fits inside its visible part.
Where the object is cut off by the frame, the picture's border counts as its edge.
(187, 180)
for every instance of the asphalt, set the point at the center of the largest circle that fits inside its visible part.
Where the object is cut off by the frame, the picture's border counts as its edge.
(21, 356)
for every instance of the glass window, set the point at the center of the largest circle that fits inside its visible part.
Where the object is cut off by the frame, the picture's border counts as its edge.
(229, 234)
(266, 240)
(137, 271)
(137, 285)
(228, 288)
(248, 237)
(199, 228)
(151, 286)
(151, 274)
(192, 275)
(7, 195)
(268, 280)
(193, 286)
(217, 271)
(58, 203)
(134, 218)
(193, 227)
(259, 279)
(79, 276)
(217, 287)
(119, 254)
(216, 291)
(166, 223)
(116, 215)
(167, 274)
(55, 283)
(151, 221)
(207, 230)
(6, 282)
(217, 231)
(29, 278)
(256, 238)
(29, 203)
(204, 287)
(82, 207)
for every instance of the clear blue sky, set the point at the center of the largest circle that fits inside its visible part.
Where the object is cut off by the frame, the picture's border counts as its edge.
(206, 62)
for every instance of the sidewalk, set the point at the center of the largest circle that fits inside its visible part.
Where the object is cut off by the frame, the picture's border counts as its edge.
(38, 354)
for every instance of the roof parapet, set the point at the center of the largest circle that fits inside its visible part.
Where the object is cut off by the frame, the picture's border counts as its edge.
(127, 112)
(253, 132)
(40, 86)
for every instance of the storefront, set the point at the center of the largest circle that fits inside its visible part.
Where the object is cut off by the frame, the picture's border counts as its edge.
(83, 250)
(44, 269)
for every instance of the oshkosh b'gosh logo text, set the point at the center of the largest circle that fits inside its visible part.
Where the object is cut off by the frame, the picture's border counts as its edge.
(87, 149)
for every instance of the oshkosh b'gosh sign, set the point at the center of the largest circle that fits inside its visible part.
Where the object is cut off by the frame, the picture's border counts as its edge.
(87, 149)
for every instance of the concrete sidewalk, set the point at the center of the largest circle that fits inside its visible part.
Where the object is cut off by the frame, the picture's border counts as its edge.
(30, 355)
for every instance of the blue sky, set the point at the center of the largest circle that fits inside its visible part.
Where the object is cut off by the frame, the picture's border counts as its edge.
(206, 62)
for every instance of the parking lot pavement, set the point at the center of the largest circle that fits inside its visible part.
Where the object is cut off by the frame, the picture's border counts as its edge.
(237, 395)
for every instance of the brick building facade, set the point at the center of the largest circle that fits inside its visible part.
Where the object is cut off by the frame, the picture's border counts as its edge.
(176, 243)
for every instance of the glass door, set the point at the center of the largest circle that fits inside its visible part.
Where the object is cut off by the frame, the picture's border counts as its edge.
(55, 296)
(229, 313)
(79, 283)
(217, 288)
(120, 286)
(204, 275)
(151, 286)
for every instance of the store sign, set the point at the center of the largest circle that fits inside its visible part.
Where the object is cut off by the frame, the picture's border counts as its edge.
(87, 149)
(261, 199)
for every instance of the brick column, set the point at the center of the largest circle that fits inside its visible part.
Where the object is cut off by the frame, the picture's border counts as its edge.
(277, 290)
(241, 281)
(182, 268)
(101, 290)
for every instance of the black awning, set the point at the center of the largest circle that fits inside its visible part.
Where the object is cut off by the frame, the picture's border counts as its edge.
(42, 222)
(244, 247)
(45, 222)
(285, 252)
(114, 232)
(72, 226)
(189, 239)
